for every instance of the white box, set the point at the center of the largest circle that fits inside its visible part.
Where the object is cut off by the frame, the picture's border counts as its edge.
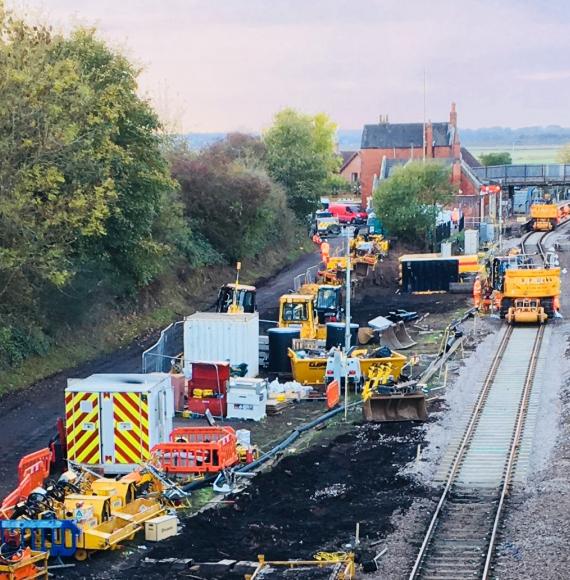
(160, 528)
(247, 411)
(213, 336)
(114, 420)
(244, 437)
(247, 399)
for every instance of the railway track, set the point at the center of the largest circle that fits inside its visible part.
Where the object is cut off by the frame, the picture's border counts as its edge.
(461, 537)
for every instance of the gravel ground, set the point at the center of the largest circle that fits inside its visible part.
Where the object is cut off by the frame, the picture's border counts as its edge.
(535, 540)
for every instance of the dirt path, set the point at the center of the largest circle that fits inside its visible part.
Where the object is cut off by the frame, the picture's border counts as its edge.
(28, 416)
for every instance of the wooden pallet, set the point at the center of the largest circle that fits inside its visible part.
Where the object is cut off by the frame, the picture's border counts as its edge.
(277, 407)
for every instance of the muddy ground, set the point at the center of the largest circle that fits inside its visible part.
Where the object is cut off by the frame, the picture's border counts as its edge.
(311, 500)
(307, 503)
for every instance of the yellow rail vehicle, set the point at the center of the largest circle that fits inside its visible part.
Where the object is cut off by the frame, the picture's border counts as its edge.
(547, 215)
(524, 293)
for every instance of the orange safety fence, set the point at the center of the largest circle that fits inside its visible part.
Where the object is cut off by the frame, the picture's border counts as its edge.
(333, 394)
(33, 469)
(197, 450)
(36, 464)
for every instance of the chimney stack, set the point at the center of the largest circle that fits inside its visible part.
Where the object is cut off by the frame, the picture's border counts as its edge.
(453, 116)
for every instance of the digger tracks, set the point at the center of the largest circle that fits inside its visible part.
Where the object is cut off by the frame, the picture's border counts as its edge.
(460, 540)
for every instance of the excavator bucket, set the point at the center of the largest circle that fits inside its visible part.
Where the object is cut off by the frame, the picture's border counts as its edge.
(403, 337)
(392, 408)
(389, 338)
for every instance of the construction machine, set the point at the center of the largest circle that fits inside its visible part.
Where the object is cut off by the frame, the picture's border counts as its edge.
(524, 292)
(298, 311)
(385, 400)
(236, 298)
(328, 300)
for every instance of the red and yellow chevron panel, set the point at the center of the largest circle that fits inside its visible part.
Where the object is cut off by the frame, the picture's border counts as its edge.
(130, 422)
(82, 423)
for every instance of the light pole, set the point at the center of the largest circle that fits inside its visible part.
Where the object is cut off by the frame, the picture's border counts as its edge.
(347, 323)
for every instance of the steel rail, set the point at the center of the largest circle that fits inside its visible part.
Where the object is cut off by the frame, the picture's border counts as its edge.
(462, 449)
(521, 417)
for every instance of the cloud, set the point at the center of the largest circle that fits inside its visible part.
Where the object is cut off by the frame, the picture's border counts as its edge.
(542, 76)
(224, 64)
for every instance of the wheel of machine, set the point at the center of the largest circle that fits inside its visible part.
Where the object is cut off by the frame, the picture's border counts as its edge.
(548, 305)
(506, 303)
(81, 555)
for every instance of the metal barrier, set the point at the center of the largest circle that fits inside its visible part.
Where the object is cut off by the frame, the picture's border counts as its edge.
(307, 277)
(160, 356)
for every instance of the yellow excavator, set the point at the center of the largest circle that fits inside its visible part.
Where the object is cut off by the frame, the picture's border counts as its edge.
(236, 298)
(385, 400)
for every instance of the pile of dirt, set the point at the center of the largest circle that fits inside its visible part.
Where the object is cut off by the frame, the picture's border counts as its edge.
(307, 503)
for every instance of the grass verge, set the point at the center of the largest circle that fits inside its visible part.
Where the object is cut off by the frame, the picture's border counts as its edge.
(168, 300)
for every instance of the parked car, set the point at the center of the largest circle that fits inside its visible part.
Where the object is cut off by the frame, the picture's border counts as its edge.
(348, 213)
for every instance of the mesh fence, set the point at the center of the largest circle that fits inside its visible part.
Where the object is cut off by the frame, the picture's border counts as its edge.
(160, 357)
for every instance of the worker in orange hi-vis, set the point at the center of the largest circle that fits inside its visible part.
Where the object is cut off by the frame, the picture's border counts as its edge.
(477, 292)
(325, 252)
(317, 239)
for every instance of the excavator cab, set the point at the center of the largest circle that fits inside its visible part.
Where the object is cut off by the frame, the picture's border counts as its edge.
(298, 311)
(328, 303)
(236, 298)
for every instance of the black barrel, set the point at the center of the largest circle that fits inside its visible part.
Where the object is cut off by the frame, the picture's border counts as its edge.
(335, 334)
(280, 339)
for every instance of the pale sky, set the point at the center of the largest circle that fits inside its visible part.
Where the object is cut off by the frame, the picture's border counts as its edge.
(219, 65)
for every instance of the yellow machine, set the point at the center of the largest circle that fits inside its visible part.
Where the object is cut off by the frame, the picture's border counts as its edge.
(123, 502)
(341, 564)
(100, 530)
(298, 311)
(544, 216)
(384, 401)
(524, 293)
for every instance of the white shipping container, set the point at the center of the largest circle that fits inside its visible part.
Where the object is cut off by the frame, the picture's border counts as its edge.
(213, 336)
(114, 420)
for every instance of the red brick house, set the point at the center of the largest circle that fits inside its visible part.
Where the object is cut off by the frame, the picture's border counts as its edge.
(351, 165)
(388, 145)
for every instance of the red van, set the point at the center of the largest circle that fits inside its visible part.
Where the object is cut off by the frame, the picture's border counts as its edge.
(348, 213)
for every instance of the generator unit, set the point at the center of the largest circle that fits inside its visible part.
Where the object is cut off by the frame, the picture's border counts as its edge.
(114, 420)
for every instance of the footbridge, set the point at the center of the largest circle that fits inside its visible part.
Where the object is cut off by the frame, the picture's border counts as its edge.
(522, 175)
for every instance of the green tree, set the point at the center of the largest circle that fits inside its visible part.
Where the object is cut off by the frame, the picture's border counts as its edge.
(563, 155)
(408, 202)
(503, 158)
(82, 179)
(229, 200)
(301, 156)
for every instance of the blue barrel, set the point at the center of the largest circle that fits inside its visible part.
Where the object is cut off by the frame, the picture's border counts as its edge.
(281, 339)
(336, 331)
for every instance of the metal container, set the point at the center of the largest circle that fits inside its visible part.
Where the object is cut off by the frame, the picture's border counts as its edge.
(471, 242)
(114, 420)
(280, 340)
(213, 336)
(336, 332)
(247, 399)
(446, 249)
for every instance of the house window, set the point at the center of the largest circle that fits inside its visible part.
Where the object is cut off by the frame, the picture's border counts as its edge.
(354, 177)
